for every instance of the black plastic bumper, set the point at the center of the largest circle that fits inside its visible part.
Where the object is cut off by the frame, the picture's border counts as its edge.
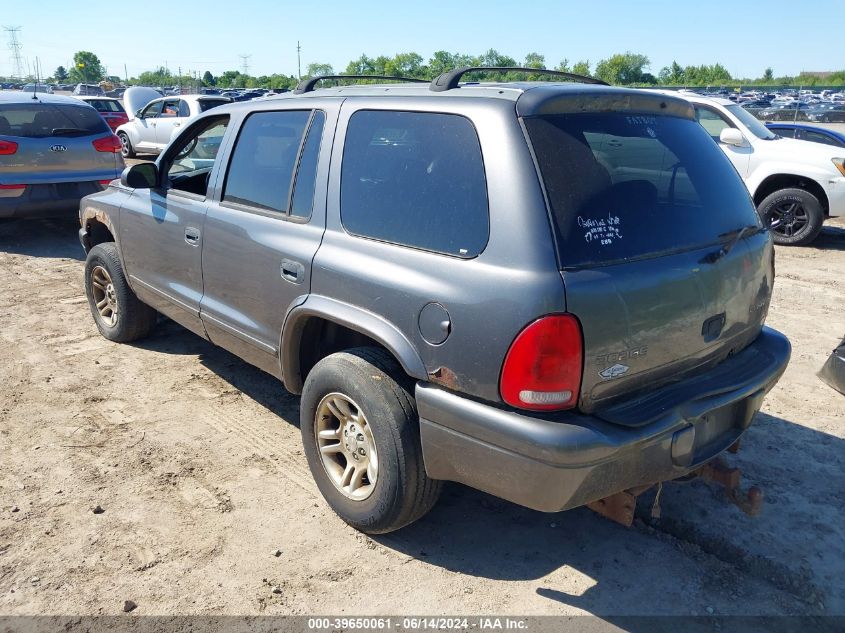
(561, 463)
(833, 372)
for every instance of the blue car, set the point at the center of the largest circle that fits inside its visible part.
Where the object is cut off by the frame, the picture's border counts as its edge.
(808, 133)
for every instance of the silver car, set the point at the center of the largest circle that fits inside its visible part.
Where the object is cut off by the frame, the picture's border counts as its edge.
(53, 151)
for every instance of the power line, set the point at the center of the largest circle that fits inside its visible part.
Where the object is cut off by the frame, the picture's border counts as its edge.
(245, 63)
(15, 46)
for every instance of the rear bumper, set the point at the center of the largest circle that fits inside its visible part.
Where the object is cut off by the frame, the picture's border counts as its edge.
(552, 464)
(46, 200)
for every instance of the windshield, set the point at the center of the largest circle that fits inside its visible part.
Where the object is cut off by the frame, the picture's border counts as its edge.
(624, 186)
(753, 124)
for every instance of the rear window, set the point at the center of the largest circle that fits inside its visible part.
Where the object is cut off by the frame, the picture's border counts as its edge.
(624, 186)
(104, 105)
(207, 104)
(42, 120)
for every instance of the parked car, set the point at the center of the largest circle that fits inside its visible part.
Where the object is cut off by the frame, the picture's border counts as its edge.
(152, 127)
(116, 93)
(110, 109)
(44, 88)
(53, 151)
(795, 185)
(88, 90)
(808, 133)
(828, 113)
(795, 111)
(355, 241)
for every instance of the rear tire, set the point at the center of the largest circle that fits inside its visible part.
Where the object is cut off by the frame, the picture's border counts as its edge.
(794, 216)
(126, 149)
(366, 385)
(120, 316)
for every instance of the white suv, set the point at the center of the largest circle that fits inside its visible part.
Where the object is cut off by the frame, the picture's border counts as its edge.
(795, 184)
(154, 124)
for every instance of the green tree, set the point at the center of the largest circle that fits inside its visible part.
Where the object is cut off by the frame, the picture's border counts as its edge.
(86, 68)
(582, 67)
(60, 75)
(361, 66)
(563, 66)
(158, 77)
(768, 75)
(623, 68)
(534, 60)
(316, 69)
(208, 79)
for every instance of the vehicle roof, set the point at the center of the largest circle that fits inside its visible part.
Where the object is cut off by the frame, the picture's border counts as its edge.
(538, 93)
(43, 97)
(95, 98)
(695, 97)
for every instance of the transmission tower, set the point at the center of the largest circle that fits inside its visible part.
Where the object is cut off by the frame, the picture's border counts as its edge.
(245, 63)
(15, 47)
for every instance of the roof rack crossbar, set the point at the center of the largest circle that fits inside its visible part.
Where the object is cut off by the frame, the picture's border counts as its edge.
(451, 79)
(308, 85)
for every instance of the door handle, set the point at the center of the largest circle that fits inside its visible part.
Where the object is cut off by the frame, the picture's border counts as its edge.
(176, 124)
(192, 235)
(292, 271)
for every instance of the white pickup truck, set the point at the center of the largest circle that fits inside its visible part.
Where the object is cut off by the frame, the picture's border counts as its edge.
(795, 184)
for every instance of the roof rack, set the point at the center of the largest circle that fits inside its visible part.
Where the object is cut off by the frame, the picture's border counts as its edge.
(307, 85)
(450, 80)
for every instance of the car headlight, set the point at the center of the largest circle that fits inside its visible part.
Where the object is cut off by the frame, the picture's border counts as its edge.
(840, 164)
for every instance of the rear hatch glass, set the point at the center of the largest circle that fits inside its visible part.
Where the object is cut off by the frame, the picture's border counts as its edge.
(663, 259)
(47, 120)
(624, 185)
(207, 104)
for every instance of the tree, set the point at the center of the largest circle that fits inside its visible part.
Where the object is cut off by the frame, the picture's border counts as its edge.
(623, 68)
(582, 67)
(86, 68)
(316, 69)
(563, 66)
(769, 75)
(208, 79)
(535, 60)
(158, 77)
(60, 75)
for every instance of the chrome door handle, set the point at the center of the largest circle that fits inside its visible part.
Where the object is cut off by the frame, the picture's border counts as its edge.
(176, 124)
(292, 271)
(192, 235)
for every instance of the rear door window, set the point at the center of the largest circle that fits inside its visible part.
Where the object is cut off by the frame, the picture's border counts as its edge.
(624, 185)
(415, 179)
(207, 104)
(43, 120)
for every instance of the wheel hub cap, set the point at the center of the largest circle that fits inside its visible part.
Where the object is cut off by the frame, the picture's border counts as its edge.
(347, 447)
(104, 295)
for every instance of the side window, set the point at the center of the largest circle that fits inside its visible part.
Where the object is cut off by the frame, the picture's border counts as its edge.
(711, 121)
(415, 179)
(170, 108)
(816, 137)
(192, 160)
(264, 159)
(152, 110)
(184, 110)
(786, 132)
(306, 176)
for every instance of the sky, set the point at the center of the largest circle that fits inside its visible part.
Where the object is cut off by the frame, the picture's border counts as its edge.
(212, 34)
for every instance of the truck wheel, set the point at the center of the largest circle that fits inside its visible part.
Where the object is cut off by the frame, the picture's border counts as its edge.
(119, 314)
(126, 149)
(361, 436)
(794, 216)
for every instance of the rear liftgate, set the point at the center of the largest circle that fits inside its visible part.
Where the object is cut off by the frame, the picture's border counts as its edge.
(621, 506)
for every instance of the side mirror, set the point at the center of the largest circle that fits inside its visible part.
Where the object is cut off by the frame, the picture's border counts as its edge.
(140, 176)
(732, 136)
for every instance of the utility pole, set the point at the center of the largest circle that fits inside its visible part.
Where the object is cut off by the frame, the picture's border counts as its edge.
(298, 63)
(126, 74)
(15, 46)
(245, 66)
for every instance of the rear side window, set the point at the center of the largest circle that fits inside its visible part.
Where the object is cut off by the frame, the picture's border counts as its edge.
(265, 158)
(415, 179)
(625, 186)
(105, 105)
(207, 104)
(43, 120)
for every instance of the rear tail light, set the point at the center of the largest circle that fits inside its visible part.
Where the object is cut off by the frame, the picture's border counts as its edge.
(7, 148)
(105, 183)
(542, 370)
(12, 186)
(108, 143)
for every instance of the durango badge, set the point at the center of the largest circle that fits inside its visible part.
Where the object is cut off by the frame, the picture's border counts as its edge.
(614, 371)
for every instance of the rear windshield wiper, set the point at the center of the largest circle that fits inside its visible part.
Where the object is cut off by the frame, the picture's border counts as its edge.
(69, 131)
(734, 236)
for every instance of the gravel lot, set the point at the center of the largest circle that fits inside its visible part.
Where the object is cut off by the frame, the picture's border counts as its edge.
(194, 460)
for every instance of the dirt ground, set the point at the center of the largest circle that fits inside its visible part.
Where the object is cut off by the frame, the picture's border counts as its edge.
(194, 459)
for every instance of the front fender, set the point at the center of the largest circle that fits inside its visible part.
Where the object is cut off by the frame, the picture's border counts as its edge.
(352, 317)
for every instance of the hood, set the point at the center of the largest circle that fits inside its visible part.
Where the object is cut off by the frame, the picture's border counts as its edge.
(136, 98)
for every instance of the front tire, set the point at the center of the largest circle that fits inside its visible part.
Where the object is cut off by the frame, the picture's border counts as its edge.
(361, 436)
(794, 216)
(120, 316)
(126, 149)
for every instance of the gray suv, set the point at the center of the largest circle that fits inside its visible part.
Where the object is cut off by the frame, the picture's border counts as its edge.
(552, 292)
(53, 151)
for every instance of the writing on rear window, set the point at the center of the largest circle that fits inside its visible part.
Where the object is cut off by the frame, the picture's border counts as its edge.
(602, 230)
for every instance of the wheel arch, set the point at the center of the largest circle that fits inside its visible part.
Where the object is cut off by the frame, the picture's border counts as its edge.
(776, 182)
(97, 228)
(322, 326)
